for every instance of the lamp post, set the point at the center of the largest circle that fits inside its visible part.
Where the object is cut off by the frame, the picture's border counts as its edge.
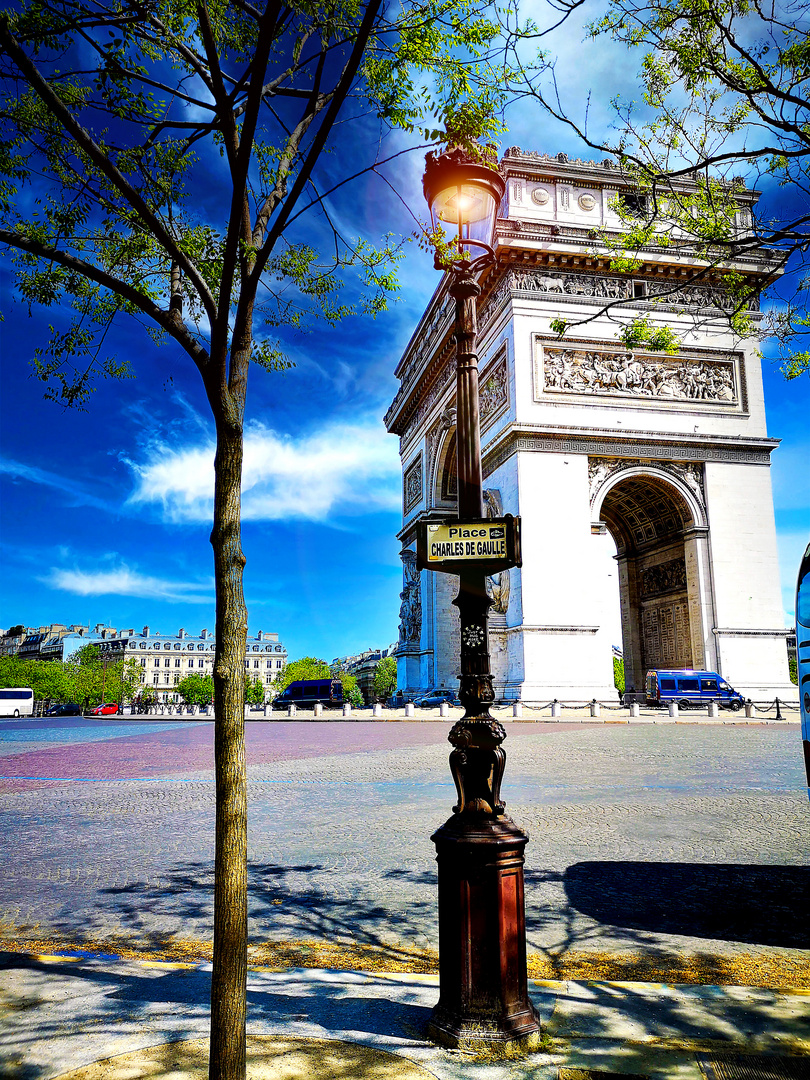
(483, 994)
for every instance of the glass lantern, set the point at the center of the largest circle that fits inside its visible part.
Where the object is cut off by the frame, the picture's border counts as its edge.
(463, 197)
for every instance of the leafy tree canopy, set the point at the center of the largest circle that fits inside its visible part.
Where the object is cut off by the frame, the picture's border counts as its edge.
(385, 678)
(196, 689)
(723, 105)
(308, 667)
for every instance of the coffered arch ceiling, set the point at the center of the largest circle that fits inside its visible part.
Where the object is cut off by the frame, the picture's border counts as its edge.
(643, 512)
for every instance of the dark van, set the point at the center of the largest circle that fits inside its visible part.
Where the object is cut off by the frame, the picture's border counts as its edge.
(690, 689)
(307, 693)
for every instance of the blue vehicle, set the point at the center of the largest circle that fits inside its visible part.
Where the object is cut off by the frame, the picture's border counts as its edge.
(307, 693)
(691, 689)
(803, 654)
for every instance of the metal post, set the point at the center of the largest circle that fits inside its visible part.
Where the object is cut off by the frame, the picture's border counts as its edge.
(483, 995)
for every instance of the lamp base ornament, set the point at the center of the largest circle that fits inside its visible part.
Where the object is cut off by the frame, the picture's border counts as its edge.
(483, 995)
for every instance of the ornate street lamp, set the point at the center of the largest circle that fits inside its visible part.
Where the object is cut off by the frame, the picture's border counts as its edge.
(482, 926)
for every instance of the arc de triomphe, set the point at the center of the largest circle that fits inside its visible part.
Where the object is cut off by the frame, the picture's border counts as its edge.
(669, 454)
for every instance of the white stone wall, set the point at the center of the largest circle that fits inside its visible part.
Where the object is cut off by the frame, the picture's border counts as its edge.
(745, 572)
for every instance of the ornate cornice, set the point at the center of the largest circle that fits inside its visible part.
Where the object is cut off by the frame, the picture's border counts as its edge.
(642, 445)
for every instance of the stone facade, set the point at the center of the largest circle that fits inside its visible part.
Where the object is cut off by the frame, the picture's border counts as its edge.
(582, 437)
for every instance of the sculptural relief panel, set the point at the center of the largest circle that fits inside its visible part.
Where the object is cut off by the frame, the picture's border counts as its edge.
(412, 485)
(633, 374)
(410, 610)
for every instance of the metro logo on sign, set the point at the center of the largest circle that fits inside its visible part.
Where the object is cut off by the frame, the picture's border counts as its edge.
(492, 543)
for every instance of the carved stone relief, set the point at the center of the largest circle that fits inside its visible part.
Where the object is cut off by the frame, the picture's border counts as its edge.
(540, 195)
(410, 610)
(586, 202)
(606, 287)
(412, 484)
(494, 392)
(688, 472)
(627, 374)
(497, 584)
(668, 577)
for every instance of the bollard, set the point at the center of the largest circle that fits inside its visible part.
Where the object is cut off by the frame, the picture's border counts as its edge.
(673, 709)
(555, 708)
(750, 709)
(318, 710)
(634, 709)
(596, 708)
(268, 710)
(778, 713)
(714, 711)
(409, 709)
(347, 708)
(377, 711)
(444, 709)
(517, 708)
(291, 710)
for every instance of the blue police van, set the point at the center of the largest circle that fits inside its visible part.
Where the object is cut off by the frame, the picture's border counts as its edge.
(691, 689)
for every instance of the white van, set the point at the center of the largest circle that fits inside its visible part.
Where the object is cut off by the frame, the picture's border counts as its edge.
(18, 701)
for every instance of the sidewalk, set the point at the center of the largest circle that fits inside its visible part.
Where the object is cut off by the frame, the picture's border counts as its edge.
(61, 1014)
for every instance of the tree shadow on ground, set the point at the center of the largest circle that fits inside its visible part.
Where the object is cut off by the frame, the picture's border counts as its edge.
(757, 905)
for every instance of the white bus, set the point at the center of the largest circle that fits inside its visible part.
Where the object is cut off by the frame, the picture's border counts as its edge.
(17, 702)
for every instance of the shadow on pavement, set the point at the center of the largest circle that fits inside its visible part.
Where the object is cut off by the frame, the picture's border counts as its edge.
(759, 905)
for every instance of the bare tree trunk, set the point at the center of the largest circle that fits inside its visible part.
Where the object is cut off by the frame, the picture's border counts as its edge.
(229, 977)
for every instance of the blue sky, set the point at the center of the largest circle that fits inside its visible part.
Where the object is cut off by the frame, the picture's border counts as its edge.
(106, 513)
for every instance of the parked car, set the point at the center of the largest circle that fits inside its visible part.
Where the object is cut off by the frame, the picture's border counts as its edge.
(108, 709)
(70, 708)
(436, 698)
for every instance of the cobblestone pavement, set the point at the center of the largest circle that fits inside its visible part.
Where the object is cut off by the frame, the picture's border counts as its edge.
(687, 839)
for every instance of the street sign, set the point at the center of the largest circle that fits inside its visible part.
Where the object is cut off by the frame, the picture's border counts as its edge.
(486, 544)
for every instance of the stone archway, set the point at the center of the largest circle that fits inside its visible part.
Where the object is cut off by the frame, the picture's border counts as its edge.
(658, 524)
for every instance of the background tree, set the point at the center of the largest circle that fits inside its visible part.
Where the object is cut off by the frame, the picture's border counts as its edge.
(723, 105)
(385, 678)
(196, 689)
(351, 691)
(254, 690)
(308, 667)
(118, 116)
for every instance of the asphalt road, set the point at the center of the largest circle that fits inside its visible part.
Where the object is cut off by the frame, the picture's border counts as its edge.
(688, 839)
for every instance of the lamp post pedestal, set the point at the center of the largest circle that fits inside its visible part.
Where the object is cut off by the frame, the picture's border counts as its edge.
(483, 996)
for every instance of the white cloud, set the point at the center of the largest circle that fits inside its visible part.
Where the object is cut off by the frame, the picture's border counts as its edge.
(122, 580)
(340, 470)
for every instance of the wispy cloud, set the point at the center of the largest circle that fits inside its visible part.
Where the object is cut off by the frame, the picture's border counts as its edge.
(340, 470)
(74, 492)
(123, 580)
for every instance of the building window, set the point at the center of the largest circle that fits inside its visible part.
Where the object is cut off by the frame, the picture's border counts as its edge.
(143, 661)
(191, 662)
(167, 663)
(200, 648)
(269, 663)
(255, 663)
(278, 663)
(157, 661)
(200, 662)
(177, 662)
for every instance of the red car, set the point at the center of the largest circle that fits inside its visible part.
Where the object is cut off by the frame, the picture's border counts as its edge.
(103, 710)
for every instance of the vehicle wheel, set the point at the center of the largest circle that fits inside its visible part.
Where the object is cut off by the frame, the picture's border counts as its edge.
(734, 706)
(684, 704)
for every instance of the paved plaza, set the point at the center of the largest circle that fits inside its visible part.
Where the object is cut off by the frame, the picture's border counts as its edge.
(682, 840)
